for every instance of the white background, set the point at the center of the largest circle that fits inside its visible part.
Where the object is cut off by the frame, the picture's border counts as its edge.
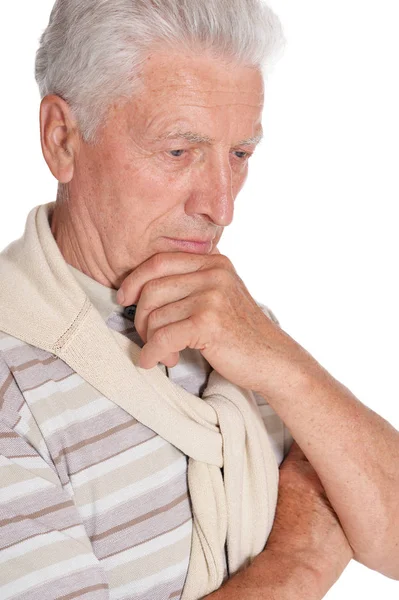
(315, 230)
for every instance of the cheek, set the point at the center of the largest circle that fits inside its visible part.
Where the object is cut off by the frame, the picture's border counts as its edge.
(162, 190)
(147, 197)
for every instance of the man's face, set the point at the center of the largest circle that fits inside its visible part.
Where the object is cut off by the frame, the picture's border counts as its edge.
(170, 162)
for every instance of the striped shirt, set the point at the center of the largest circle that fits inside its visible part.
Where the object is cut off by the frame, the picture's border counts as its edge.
(56, 541)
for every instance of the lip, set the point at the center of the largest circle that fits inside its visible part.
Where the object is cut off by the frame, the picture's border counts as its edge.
(194, 246)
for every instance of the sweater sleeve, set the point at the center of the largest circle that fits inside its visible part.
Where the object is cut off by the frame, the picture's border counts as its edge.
(45, 552)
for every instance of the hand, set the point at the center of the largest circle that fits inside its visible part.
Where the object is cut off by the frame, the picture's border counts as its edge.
(198, 301)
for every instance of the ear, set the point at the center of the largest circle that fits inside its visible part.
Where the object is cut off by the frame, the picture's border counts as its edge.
(59, 136)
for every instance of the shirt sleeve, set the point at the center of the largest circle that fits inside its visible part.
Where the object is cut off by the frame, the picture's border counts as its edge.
(45, 552)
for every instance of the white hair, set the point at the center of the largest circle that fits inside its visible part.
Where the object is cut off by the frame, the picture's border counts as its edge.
(91, 51)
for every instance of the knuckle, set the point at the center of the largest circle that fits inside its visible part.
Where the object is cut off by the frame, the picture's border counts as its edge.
(207, 315)
(223, 276)
(162, 336)
(154, 319)
(209, 321)
(158, 262)
(150, 289)
(151, 321)
(152, 286)
(125, 287)
(216, 299)
(223, 260)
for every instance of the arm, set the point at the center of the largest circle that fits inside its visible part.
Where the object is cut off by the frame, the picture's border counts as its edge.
(44, 548)
(354, 451)
(306, 551)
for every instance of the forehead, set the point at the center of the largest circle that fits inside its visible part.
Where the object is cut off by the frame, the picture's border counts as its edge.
(199, 73)
(172, 83)
(175, 68)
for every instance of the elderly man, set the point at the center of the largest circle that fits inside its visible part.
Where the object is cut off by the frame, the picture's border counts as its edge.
(147, 400)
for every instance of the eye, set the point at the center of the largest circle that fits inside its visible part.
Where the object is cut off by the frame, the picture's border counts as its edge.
(241, 155)
(176, 153)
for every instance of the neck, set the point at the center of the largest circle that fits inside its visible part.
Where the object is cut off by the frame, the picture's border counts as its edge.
(80, 243)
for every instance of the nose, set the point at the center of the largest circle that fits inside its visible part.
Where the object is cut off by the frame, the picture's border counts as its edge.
(214, 194)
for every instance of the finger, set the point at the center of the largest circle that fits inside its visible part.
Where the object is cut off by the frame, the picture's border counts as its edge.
(172, 359)
(173, 338)
(172, 313)
(159, 293)
(158, 266)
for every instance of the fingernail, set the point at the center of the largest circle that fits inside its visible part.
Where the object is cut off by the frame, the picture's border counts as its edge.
(120, 296)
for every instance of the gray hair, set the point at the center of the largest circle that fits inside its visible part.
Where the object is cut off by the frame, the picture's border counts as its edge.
(91, 52)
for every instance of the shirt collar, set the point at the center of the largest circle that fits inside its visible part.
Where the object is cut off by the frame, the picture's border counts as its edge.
(101, 296)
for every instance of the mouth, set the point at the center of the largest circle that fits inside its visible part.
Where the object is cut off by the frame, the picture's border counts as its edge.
(194, 246)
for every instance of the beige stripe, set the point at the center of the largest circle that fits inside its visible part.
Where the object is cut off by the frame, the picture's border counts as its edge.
(31, 363)
(48, 381)
(14, 474)
(58, 402)
(33, 561)
(175, 595)
(122, 477)
(92, 440)
(29, 537)
(86, 590)
(139, 519)
(126, 449)
(4, 388)
(11, 474)
(150, 564)
(38, 513)
(154, 537)
(153, 498)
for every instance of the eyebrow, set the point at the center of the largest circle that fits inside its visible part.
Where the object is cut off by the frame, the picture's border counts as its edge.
(197, 138)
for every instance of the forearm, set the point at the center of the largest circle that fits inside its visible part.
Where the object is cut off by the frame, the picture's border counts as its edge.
(354, 452)
(271, 577)
(306, 551)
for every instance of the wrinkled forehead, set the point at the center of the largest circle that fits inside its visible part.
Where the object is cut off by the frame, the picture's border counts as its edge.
(174, 86)
(198, 95)
(185, 75)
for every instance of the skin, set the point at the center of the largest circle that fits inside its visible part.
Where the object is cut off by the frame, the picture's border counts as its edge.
(131, 190)
(306, 551)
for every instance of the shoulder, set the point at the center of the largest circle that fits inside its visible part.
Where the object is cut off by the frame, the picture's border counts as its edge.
(22, 367)
(19, 364)
(17, 359)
